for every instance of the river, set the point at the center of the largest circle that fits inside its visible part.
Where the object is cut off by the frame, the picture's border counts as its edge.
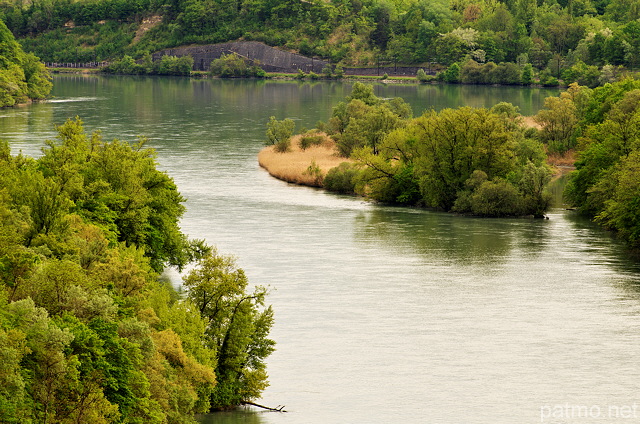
(382, 314)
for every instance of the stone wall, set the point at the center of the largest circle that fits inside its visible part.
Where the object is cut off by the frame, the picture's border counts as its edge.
(275, 60)
(269, 58)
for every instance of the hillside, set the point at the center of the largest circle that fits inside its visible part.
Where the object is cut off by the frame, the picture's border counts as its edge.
(592, 39)
(22, 77)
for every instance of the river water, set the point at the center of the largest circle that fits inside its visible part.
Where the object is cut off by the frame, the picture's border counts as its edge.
(383, 315)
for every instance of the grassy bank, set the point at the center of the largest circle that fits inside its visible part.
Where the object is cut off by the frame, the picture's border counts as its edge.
(298, 166)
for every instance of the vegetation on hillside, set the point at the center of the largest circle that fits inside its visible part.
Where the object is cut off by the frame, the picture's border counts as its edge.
(168, 65)
(88, 332)
(22, 76)
(585, 41)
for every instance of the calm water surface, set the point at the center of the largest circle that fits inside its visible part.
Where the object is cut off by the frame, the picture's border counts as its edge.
(383, 315)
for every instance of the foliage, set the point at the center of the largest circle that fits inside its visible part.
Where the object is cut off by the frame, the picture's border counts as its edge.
(604, 185)
(279, 133)
(22, 76)
(232, 65)
(451, 74)
(360, 33)
(236, 328)
(310, 139)
(87, 331)
(467, 160)
(167, 65)
(421, 75)
(365, 119)
(472, 72)
(314, 171)
(559, 120)
(582, 74)
(341, 179)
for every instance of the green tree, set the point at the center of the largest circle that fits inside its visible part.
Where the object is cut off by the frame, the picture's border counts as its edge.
(22, 76)
(237, 328)
(621, 210)
(559, 121)
(117, 186)
(451, 74)
(455, 143)
(527, 74)
(279, 133)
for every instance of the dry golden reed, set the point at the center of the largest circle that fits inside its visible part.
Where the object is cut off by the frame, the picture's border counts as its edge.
(293, 166)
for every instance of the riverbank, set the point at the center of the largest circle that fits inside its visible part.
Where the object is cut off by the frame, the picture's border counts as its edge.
(308, 166)
(302, 166)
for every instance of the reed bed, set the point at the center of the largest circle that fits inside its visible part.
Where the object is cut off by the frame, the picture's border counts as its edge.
(297, 166)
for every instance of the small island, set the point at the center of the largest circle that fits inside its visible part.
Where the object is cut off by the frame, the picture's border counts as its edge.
(482, 162)
(475, 161)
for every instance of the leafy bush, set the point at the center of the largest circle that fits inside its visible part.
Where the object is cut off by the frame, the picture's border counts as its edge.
(168, 65)
(309, 140)
(233, 66)
(171, 65)
(279, 134)
(341, 179)
(496, 198)
(451, 74)
(527, 74)
(582, 74)
(314, 171)
(124, 66)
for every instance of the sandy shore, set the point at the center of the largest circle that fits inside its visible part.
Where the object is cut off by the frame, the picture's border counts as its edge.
(294, 165)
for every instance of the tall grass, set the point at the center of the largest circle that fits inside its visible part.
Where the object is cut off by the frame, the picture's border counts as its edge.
(293, 166)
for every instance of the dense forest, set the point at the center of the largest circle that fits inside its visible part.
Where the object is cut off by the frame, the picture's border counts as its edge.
(22, 76)
(585, 41)
(89, 333)
(603, 125)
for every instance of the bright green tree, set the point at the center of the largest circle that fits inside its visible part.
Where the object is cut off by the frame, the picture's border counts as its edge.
(279, 133)
(237, 329)
(22, 76)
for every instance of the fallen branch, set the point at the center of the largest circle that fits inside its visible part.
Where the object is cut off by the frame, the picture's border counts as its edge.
(279, 408)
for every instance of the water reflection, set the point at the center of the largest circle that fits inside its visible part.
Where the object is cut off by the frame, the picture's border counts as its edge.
(237, 416)
(466, 241)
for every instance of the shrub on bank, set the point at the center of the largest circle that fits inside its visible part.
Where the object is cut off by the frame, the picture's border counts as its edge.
(279, 134)
(308, 140)
(341, 179)
(233, 66)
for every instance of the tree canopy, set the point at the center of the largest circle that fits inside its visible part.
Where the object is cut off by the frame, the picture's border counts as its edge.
(468, 160)
(605, 184)
(22, 76)
(586, 41)
(88, 331)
